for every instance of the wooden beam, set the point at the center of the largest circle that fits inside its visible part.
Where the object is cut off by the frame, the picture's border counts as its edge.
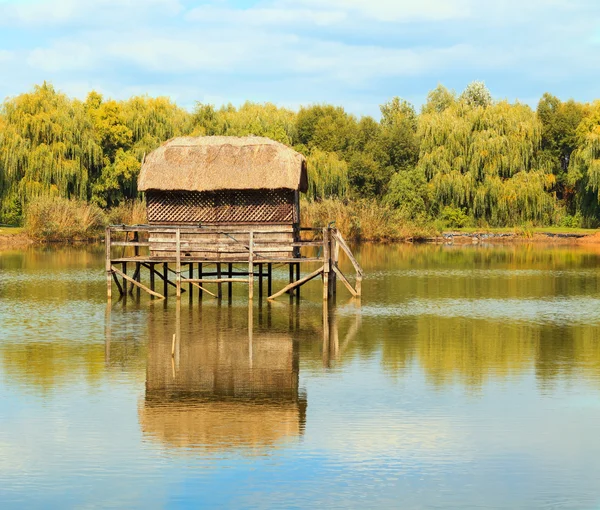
(214, 280)
(141, 286)
(298, 283)
(195, 284)
(348, 252)
(345, 281)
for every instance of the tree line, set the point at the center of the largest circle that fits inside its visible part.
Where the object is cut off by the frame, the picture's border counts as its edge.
(463, 159)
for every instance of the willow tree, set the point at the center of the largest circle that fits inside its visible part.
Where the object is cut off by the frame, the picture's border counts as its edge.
(127, 131)
(327, 175)
(482, 157)
(584, 166)
(249, 119)
(47, 147)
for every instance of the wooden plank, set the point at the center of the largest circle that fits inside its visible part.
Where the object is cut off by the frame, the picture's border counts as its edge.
(140, 285)
(344, 281)
(273, 260)
(207, 248)
(130, 243)
(297, 283)
(214, 280)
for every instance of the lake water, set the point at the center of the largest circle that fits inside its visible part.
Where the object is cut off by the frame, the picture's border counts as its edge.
(467, 378)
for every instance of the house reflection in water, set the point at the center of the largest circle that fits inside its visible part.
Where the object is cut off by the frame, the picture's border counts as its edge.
(215, 385)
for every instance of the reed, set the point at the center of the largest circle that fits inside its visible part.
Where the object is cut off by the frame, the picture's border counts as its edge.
(364, 220)
(131, 212)
(60, 219)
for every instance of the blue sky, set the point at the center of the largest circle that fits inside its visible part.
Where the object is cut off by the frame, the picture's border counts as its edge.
(355, 53)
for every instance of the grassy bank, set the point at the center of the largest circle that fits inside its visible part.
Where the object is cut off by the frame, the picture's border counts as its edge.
(364, 220)
(62, 220)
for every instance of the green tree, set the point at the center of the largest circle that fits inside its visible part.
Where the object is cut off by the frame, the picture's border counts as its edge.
(47, 147)
(584, 166)
(559, 139)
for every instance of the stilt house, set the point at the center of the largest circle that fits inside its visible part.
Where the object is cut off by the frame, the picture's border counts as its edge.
(220, 199)
(248, 183)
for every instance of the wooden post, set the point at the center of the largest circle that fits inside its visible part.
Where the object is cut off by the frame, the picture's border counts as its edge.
(297, 278)
(152, 280)
(178, 262)
(326, 264)
(251, 266)
(291, 280)
(191, 285)
(269, 279)
(230, 284)
(138, 266)
(124, 266)
(219, 285)
(200, 277)
(334, 252)
(260, 281)
(165, 279)
(108, 264)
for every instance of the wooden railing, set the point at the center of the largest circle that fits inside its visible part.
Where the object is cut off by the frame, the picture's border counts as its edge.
(213, 245)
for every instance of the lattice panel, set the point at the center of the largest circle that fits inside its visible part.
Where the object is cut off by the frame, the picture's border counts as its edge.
(256, 206)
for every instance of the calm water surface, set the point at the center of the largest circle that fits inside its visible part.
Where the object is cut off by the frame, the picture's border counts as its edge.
(468, 378)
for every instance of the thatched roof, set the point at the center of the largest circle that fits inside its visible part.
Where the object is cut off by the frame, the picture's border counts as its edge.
(212, 163)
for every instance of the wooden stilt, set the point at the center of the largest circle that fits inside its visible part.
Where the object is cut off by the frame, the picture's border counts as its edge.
(297, 278)
(260, 281)
(219, 285)
(269, 279)
(251, 266)
(230, 284)
(117, 282)
(136, 251)
(178, 261)
(165, 279)
(109, 273)
(291, 280)
(191, 286)
(333, 253)
(152, 279)
(326, 258)
(124, 266)
(136, 277)
(200, 275)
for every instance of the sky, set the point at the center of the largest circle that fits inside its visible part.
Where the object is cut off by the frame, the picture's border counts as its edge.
(353, 53)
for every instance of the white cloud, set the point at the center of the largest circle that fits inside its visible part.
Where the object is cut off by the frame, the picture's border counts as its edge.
(396, 10)
(274, 16)
(63, 56)
(5, 55)
(289, 51)
(89, 12)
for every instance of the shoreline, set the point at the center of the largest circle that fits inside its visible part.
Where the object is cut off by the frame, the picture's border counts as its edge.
(19, 239)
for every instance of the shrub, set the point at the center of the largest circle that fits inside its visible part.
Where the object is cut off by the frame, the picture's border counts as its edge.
(132, 212)
(60, 219)
(453, 217)
(366, 220)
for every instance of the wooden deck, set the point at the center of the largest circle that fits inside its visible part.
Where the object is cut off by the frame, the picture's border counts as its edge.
(192, 258)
